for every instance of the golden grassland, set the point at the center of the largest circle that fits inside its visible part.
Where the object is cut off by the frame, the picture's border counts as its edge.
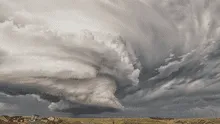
(137, 121)
(143, 121)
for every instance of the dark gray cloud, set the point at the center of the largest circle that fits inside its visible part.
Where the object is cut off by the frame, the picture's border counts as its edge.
(26, 105)
(78, 109)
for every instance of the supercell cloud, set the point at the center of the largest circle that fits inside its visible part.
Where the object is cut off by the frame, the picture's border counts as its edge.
(111, 58)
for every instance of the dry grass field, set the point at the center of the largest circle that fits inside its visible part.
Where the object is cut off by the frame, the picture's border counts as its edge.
(135, 121)
(142, 121)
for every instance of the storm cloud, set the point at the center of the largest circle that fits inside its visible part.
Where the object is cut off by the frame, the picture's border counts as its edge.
(111, 58)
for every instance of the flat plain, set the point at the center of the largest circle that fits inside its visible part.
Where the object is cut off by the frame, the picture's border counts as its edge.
(143, 120)
(65, 120)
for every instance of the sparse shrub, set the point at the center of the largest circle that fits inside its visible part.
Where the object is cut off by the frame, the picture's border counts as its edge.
(159, 118)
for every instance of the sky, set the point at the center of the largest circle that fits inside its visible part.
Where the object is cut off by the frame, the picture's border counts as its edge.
(110, 58)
